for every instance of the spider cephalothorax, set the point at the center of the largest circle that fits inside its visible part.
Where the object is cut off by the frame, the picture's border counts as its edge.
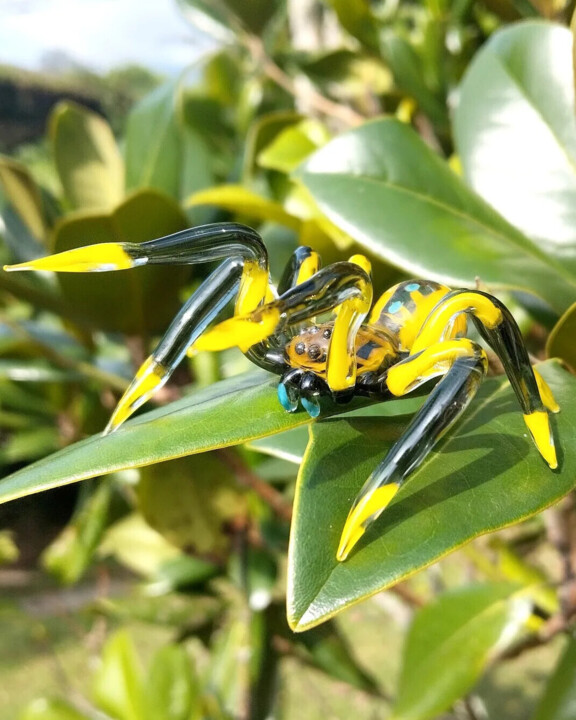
(414, 332)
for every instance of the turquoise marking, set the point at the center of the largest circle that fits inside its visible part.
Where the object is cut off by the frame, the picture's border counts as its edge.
(285, 400)
(311, 406)
(395, 306)
(412, 287)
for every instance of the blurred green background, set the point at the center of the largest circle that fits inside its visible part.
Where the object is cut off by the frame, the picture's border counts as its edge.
(435, 136)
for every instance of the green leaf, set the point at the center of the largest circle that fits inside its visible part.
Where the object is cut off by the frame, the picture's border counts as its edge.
(172, 691)
(486, 474)
(559, 699)
(409, 72)
(137, 301)
(50, 709)
(356, 17)
(244, 202)
(24, 195)
(190, 500)
(227, 413)
(87, 158)
(516, 133)
(118, 687)
(450, 643)
(383, 186)
(70, 555)
(173, 158)
(293, 145)
(289, 445)
(134, 544)
(561, 340)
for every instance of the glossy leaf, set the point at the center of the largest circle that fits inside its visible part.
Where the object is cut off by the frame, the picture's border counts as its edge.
(227, 413)
(559, 699)
(124, 301)
(382, 185)
(451, 641)
(516, 133)
(24, 195)
(561, 340)
(244, 202)
(486, 474)
(87, 158)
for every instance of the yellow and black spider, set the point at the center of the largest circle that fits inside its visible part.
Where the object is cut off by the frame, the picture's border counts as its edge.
(412, 334)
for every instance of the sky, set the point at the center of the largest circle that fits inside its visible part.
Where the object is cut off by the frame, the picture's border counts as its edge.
(99, 33)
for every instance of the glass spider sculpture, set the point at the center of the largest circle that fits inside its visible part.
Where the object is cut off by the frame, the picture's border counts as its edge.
(414, 332)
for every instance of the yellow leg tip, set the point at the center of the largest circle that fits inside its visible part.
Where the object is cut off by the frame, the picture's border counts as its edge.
(546, 394)
(92, 258)
(538, 424)
(365, 510)
(151, 376)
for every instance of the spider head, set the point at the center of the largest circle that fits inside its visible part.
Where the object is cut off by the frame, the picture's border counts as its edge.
(308, 349)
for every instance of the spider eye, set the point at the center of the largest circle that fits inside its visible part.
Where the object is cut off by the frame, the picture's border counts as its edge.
(327, 333)
(300, 348)
(314, 352)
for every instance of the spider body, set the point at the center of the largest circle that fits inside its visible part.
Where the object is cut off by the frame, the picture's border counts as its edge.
(319, 332)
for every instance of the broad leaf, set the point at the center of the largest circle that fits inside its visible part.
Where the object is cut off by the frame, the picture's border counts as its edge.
(559, 699)
(125, 301)
(154, 159)
(516, 133)
(382, 185)
(450, 643)
(227, 413)
(87, 158)
(485, 475)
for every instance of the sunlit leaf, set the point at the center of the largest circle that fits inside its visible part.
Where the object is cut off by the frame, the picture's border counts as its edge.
(87, 158)
(51, 709)
(227, 413)
(244, 202)
(515, 132)
(484, 475)
(118, 684)
(450, 643)
(383, 186)
(172, 691)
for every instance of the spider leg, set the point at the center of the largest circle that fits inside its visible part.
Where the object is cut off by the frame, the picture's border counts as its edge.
(244, 273)
(343, 285)
(497, 326)
(463, 364)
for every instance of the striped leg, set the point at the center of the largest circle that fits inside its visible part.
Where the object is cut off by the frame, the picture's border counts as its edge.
(463, 364)
(498, 328)
(244, 274)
